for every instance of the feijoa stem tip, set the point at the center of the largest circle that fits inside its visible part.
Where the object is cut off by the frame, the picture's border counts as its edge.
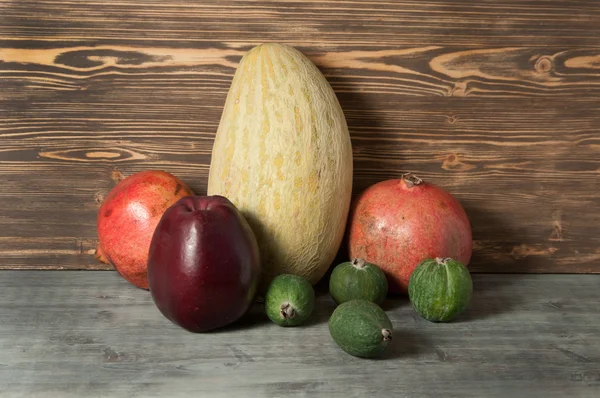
(386, 334)
(359, 263)
(287, 311)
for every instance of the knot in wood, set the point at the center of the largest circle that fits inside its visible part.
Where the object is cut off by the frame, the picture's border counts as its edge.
(543, 65)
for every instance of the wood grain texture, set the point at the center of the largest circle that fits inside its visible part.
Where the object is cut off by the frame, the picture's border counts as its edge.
(496, 101)
(74, 334)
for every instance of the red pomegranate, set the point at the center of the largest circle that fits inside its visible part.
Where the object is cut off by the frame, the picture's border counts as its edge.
(398, 223)
(127, 219)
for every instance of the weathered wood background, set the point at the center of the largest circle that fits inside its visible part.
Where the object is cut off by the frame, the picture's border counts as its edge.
(497, 101)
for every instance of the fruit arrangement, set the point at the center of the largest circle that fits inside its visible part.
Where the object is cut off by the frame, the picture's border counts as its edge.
(398, 223)
(277, 209)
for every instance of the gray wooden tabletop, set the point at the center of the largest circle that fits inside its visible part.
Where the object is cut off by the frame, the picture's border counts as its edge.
(90, 334)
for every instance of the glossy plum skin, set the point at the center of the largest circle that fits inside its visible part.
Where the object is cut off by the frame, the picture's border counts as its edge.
(396, 224)
(127, 219)
(204, 265)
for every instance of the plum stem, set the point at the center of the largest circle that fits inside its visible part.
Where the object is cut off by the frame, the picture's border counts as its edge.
(287, 311)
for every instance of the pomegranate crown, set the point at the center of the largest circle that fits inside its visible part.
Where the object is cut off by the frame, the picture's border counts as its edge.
(411, 180)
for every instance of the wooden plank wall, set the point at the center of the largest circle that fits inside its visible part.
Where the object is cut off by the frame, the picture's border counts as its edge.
(498, 101)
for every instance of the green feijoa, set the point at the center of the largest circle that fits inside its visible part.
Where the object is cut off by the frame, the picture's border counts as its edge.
(289, 300)
(356, 280)
(360, 328)
(440, 289)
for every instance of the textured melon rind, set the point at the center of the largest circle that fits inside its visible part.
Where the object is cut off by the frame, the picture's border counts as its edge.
(282, 154)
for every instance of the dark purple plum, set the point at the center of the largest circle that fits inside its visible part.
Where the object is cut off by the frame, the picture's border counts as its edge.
(204, 264)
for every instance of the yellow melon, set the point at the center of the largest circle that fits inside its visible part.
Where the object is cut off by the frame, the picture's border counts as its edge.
(283, 156)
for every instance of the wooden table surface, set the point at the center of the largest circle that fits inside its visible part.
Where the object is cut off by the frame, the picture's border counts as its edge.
(91, 334)
(497, 101)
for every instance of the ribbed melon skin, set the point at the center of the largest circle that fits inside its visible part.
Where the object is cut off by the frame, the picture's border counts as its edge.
(282, 154)
(440, 289)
